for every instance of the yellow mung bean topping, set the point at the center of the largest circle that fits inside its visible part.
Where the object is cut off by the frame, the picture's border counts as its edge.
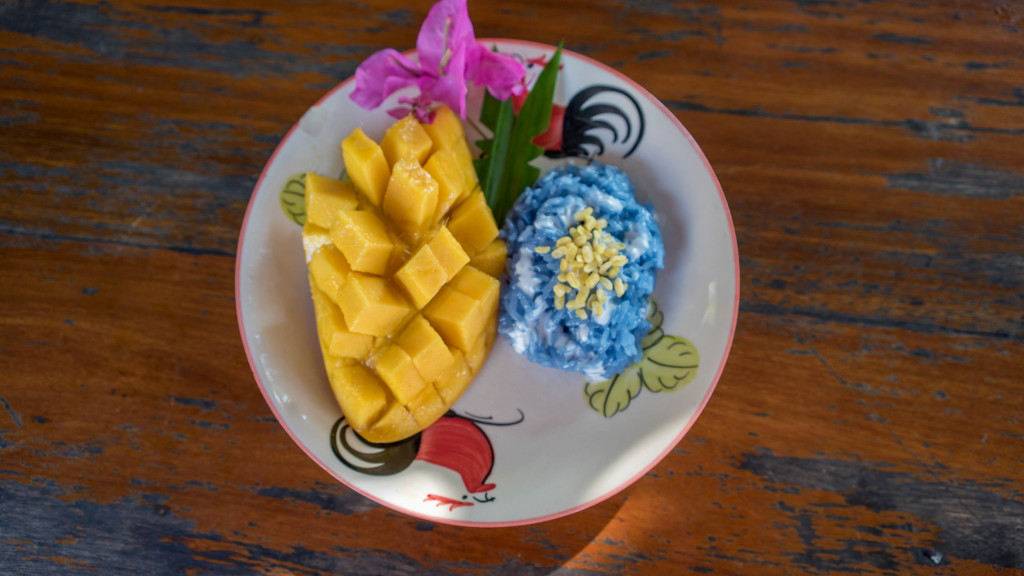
(590, 263)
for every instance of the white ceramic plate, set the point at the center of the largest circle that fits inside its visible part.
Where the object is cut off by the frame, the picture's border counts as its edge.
(554, 454)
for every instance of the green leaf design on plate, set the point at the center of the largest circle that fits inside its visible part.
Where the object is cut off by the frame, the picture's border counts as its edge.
(656, 317)
(609, 397)
(293, 198)
(669, 363)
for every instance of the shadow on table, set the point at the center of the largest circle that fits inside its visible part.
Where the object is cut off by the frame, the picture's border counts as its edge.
(535, 549)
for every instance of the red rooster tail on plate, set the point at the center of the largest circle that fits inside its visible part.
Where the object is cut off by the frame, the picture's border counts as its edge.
(459, 445)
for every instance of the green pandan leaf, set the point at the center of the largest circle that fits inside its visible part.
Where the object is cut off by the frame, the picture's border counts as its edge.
(489, 109)
(293, 198)
(494, 168)
(669, 363)
(532, 121)
(504, 170)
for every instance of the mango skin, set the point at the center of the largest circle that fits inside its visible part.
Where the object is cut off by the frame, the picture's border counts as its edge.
(403, 266)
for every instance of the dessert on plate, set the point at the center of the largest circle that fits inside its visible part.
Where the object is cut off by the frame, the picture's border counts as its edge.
(582, 260)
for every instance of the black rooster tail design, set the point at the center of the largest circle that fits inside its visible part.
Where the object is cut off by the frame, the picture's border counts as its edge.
(370, 458)
(583, 117)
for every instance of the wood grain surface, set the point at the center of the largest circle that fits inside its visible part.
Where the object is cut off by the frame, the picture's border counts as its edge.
(870, 419)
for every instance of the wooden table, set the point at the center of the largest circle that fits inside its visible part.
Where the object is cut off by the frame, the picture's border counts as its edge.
(870, 419)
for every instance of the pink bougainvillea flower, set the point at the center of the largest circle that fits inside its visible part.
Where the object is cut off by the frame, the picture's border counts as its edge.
(500, 73)
(381, 75)
(420, 106)
(448, 57)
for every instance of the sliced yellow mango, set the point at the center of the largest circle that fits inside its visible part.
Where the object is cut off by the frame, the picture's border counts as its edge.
(403, 265)
(360, 393)
(396, 423)
(492, 258)
(461, 375)
(425, 347)
(372, 305)
(411, 196)
(446, 129)
(427, 406)
(421, 276)
(473, 225)
(396, 369)
(335, 337)
(364, 240)
(366, 165)
(444, 167)
(406, 139)
(458, 318)
(325, 197)
(448, 251)
(329, 270)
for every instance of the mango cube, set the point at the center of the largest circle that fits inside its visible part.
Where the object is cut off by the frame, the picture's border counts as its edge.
(329, 270)
(476, 355)
(406, 139)
(366, 165)
(431, 266)
(472, 224)
(363, 238)
(448, 251)
(326, 317)
(371, 305)
(458, 318)
(427, 407)
(345, 344)
(492, 258)
(443, 166)
(360, 393)
(411, 195)
(447, 134)
(425, 347)
(451, 388)
(421, 276)
(396, 422)
(335, 337)
(325, 197)
(480, 287)
(445, 130)
(397, 370)
(461, 310)
(464, 158)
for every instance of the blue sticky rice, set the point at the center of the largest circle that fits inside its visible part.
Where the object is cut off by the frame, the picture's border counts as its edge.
(602, 345)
